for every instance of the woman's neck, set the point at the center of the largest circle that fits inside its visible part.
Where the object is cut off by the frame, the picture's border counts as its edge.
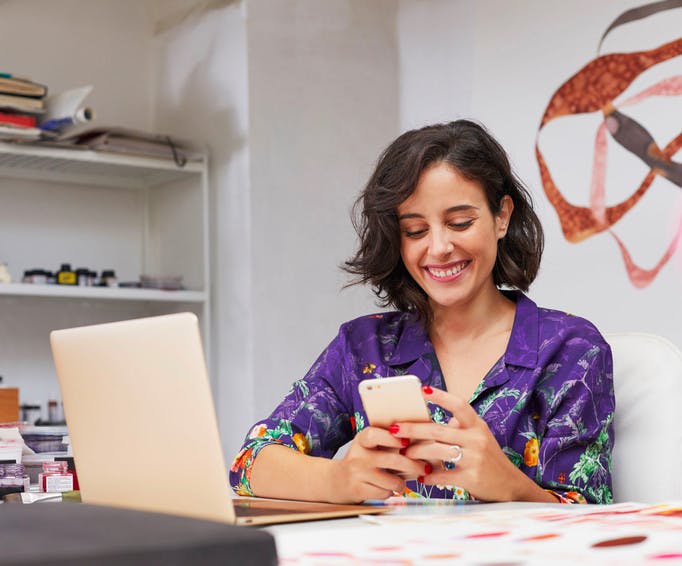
(489, 313)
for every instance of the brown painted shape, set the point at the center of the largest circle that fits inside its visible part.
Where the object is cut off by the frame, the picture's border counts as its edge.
(603, 79)
(593, 89)
(578, 222)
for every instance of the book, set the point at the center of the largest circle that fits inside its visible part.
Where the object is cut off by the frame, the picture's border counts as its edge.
(24, 103)
(22, 87)
(18, 119)
(134, 142)
(15, 133)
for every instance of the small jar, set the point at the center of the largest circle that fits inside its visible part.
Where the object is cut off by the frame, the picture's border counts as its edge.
(53, 413)
(66, 275)
(108, 278)
(55, 477)
(39, 277)
(30, 413)
(83, 277)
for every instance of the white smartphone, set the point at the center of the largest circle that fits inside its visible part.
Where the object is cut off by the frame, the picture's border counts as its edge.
(388, 400)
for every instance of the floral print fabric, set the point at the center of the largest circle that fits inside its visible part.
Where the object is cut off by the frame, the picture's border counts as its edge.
(548, 400)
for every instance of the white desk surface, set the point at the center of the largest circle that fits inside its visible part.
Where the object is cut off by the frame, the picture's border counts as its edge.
(411, 510)
(490, 534)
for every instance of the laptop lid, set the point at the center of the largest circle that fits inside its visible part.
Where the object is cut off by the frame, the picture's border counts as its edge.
(141, 419)
(143, 428)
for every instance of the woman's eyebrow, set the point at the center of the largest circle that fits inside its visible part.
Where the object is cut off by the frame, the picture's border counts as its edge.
(458, 208)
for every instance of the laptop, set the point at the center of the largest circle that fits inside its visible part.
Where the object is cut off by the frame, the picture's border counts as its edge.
(143, 428)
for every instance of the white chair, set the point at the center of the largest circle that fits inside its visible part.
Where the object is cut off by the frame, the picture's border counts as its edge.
(647, 455)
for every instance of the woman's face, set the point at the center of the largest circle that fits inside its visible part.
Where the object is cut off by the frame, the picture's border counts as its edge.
(448, 237)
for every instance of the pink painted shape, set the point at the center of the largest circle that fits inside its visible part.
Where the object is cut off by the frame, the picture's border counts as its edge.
(640, 277)
(598, 187)
(667, 87)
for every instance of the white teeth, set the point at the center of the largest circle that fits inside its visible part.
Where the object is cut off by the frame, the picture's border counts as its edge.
(448, 272)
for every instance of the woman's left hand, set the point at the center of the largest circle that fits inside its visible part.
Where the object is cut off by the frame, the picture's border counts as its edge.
(482, 468)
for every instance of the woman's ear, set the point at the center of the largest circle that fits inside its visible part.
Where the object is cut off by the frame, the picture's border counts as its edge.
(504, 216)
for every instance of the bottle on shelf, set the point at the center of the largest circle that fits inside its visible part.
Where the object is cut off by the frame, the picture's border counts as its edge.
(5, 276)
(30, 412)
(66, 275)
(83, 277)
(108, 278)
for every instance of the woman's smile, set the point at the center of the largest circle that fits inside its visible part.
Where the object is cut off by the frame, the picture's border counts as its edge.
(448, 272)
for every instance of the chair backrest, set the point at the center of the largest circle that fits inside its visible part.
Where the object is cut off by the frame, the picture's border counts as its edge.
(647, 456)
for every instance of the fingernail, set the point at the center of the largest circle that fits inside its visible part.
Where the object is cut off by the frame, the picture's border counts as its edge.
(428, 468)
(427, 389)
(420, 479)
(402, 451)
(405, 441)
(394, 429)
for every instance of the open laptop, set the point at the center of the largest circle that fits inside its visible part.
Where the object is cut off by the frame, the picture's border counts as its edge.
(143, 429)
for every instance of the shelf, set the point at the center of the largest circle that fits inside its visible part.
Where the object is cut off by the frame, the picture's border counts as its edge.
(87, 167)
(106, 293)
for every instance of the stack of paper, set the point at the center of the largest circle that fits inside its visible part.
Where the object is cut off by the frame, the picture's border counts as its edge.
(11, 444)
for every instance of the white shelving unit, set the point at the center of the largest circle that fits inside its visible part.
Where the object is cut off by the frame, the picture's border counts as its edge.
(103, 293)
(136, 215)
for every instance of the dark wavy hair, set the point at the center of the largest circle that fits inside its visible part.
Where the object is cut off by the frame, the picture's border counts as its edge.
(473, 152)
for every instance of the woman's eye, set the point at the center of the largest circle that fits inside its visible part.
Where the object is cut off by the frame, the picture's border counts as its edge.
(414, 233)
(461, 225)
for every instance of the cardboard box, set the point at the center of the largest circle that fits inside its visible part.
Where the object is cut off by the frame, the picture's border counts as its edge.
(9, 404)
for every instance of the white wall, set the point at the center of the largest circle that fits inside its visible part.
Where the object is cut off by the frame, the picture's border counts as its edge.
(68, 43)
(323, 84)
(519, 54)
(436, 48)
(201, 93)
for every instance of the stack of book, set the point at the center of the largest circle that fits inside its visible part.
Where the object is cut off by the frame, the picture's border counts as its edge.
(22, 101)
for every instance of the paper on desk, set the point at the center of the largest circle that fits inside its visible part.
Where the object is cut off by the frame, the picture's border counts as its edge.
(595, 534)
(28, 497)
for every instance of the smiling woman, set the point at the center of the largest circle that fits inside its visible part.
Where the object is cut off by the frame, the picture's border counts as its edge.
(521, 397)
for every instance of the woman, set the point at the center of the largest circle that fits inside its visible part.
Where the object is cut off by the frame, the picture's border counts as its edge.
(521, 397)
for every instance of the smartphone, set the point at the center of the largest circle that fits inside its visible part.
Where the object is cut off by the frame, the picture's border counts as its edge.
(388, 400)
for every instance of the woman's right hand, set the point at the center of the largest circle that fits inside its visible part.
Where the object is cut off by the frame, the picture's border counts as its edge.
(370, 468)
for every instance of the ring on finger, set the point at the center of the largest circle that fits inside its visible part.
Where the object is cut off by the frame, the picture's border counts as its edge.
(451, 463)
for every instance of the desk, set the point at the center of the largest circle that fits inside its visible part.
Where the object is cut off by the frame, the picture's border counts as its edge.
(490, 534)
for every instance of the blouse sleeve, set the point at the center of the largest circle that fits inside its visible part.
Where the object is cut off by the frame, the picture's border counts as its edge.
(313, 418)
(575, 454)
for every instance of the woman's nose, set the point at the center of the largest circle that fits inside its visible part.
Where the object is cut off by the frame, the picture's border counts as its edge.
(441, 243)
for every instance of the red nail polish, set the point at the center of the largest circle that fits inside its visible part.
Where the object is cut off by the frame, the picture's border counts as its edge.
(420, 479)
(394, 429)
(405, 442)
(427, 389)
(402, 451)
(428, 468)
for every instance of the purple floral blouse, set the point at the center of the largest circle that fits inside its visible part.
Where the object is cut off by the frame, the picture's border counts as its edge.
(548, 400)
